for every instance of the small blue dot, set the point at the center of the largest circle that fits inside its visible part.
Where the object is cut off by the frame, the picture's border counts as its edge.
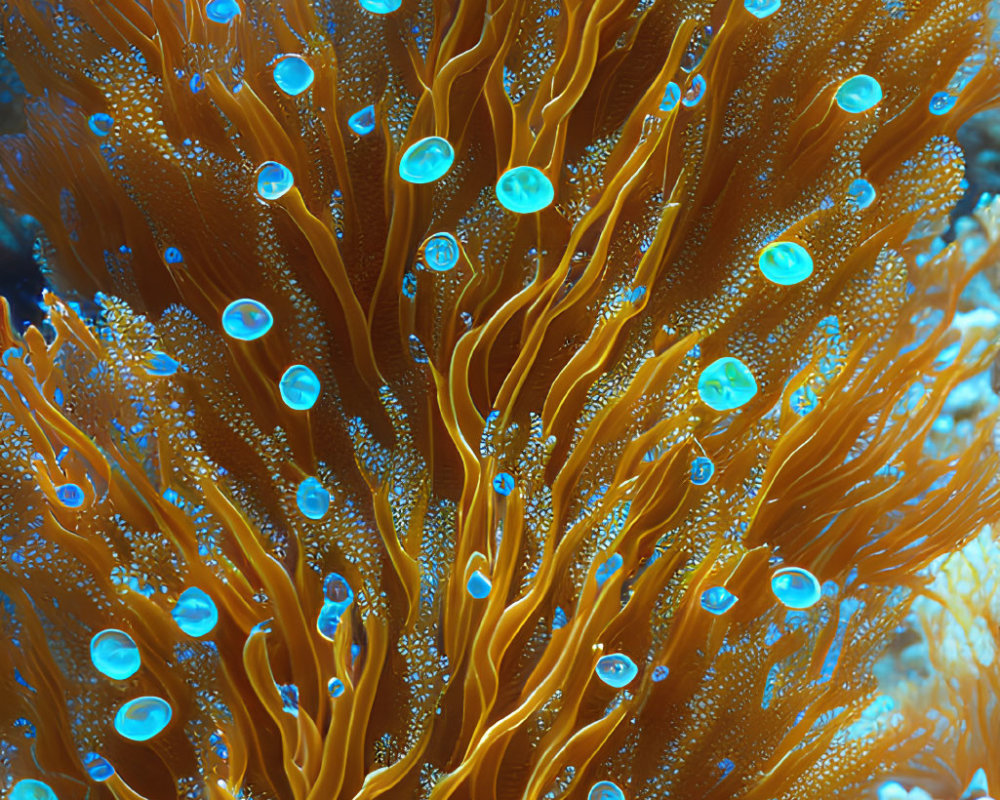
(293, 75)
(617, 670)
(196, 84)
(141, 719)
(380, 6)
(70, 495)
(114, 653)
(660, 673)
(362, 122)
(785, 263)
(246, 319)
(274, 180)
(441, 252)
(796, 587)
(861, 193)
(222, 11)
(717, 600)
(426, 160)
(859, 94)
(101, 124)
(335, 686)
(942, 103)
(299, 387)
(695, 92)
(195, 612)
(98, 768)
(702, 470)
(762, 8)
(726, 384)
(671, 97)
(503, 483)
(313, 500)
(173, 256)
(30, 789)
(525, 190)
(803, 400)
(478, 585)
(605, 790)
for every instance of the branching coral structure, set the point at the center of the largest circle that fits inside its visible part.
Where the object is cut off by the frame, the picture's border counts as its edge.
(491, 399)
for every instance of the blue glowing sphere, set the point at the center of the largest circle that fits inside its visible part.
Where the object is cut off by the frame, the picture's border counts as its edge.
(299, 387)
(426, 160)
(605, 790)
(702, 470)
(246, 319)
(114, 653)
(478, 585)
(671, 97)
(380, 6)
(726, 384)
(785, 263)
(616, 669)
(70, 495)
(98, 768)
(362, 122)
(222, 11)
(274, 180)
(504, 483)
(942, 103)
(195, 612)
(293, 75)
(859, 94)
(796, 587)
(100, 124)
(313, 500)
(30, 789)
(861, 193)
(717, 600)
(441, 252)
(525, 190)
(761, 8)
(141, 719)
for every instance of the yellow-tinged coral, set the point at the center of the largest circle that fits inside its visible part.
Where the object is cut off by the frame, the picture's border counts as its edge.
(507, 445)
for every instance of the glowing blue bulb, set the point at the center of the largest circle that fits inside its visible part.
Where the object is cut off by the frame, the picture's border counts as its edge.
(605, 790)
(313, 500)
(761, 8)
(70, 495)
(274, 180)
(671, 97)
(337, 597)
(726, 384)
(859, 94)
(222, 11)
(718, 600)
(785, 263)
(101, 124)
(803, 400)
(246, 319)
(196, 84)
(289, 694)
(141, 719)
(702, 470)
(695, 92)
(30, 789)
(173, 256)
(195, 612)
(362, 122)
(478, 585)
(335, 686)
(942, 103)
(616, 670)
(441, 252)
(98, 768)
(504, 483)
(427, 160)
(329, 619)
(862, 194)
(293, 75)
(159, 363)
(299, 387)
(525, 190)
(660, 673)
(796, 587)
(380, 6)
(607, 569)
(113, 653)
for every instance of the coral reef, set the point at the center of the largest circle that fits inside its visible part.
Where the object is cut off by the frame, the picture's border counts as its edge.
(495, 399)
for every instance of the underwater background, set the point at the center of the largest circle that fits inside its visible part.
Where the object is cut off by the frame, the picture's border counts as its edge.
(499, 399)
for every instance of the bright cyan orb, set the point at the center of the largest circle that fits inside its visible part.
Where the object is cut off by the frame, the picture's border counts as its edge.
(115, 654)
(605, 790)
(504, 483)
(441, 252)
(726, 384)
(525, 190)
(796, 587)
(380, 6)
(293, 74)
(702, 470)
(313, 500)
(858, 94)
(478, 585)
(616, 670)
(30, 789)
(861, 193)
(274, 180)
(246, 319)
(222, 11)
(141, 719)
(427, 160)
(695, 92)
(362, 122)
(761, 8)
(671, 97)
(717, 600)
(100, 124)
(70, 495)
(942, 103)
(299, 387)
(785, 263)
(195, 612)
(98, 767)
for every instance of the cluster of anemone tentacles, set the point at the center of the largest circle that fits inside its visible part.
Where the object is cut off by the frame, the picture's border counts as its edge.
(495, 399)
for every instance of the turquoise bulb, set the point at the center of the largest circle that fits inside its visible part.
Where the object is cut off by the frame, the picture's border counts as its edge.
(426, 160)
(942, 103)
(796, 587)
(159, 363)
(313, 500)
(785, 263)
(441, 252)
(695, 92)
(718, 600)
(380, 6)
(671, 97)
(525, 190)
(861, 193)
(274, 180)
(336, 589)
(605, 790)
(246, 319)
(289, 694)
(329, 619)
(141, 719)
(195, 612)
(299, 387)
(726, 384)
(101, 124)
(702, 470)
(115, 654)
(859, 94)
(30, 789)
(761, 8)
(222, 11)
(478, 585)
(293, 75)
(335, 686)
(504, 483)
(362, 122)
(660, 673)
(616, 670)
(173, 256)
(70, 495)
(98, 768)
(803, 400)
(607, 569)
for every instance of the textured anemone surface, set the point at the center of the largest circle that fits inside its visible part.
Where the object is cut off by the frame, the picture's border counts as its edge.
(488, 399)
